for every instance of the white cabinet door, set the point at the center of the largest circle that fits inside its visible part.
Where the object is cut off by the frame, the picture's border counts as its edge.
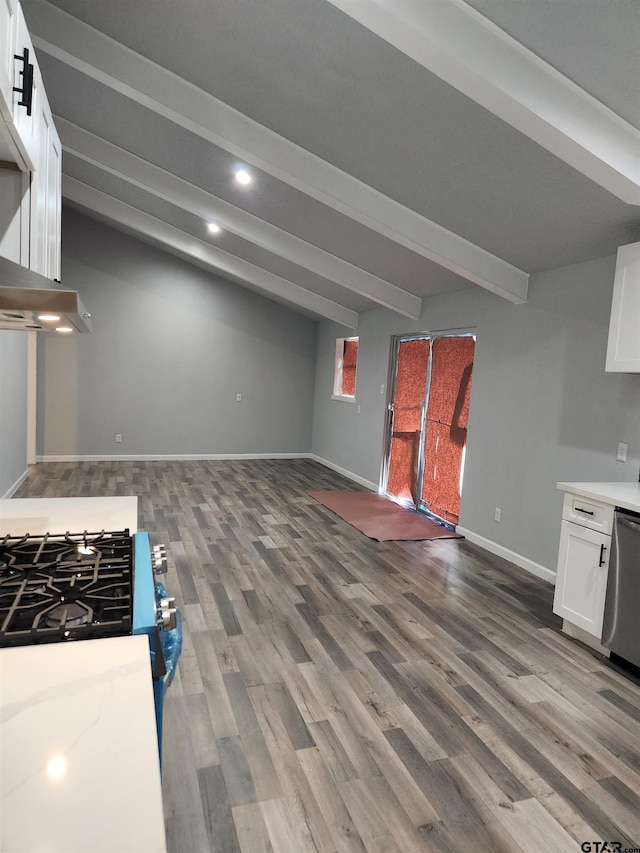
(581, 581)
(45, 196)
(54, 202)
(39, 254)
(623, 348)
(7, 27)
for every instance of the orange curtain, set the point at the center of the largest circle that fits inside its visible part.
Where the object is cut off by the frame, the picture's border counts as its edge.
(447, 414)
(411, 386)
(349, 367)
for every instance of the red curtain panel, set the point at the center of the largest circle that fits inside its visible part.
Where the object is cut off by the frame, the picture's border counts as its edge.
(447, 414)
(411, 386)
(451, 365)
(402, 463)
(442, 463)
(349, 367)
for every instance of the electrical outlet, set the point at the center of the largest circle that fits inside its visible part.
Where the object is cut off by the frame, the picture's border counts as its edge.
(358, 410)
(118, 438)
(382, 389)
(621, 455)
(238, 398)
(497, 514)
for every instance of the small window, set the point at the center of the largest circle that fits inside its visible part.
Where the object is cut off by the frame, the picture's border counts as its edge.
(344, 380)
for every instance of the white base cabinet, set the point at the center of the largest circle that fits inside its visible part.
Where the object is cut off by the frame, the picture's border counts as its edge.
(581, 581)
(583, 564)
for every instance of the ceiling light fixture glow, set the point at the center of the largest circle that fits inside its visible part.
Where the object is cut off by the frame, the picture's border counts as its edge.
(213, 228)
(243, 177)
(48, 318)
(64, 329)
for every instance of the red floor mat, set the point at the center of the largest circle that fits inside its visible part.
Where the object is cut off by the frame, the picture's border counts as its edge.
(380, 518)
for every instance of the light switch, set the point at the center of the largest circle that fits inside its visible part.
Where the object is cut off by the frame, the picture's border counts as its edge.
(238, 398)
(621, 455)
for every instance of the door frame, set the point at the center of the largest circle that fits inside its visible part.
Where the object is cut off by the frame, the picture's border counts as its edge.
(392, 376)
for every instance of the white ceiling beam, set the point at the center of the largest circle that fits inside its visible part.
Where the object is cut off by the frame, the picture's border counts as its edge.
(152, 179)
(82, 47)
(204, 253)
(463, 48)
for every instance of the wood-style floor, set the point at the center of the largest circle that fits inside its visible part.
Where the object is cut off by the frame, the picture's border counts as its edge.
(338, 694)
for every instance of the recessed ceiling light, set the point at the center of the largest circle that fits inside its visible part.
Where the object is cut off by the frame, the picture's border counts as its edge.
(243, 177)
(214, 228)
(48, 318)
(64, 329)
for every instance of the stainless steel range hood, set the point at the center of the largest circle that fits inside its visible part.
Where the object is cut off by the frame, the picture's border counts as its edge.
(30, 302)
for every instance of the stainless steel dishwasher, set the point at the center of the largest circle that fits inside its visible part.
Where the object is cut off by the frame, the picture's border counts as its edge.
(621, 627)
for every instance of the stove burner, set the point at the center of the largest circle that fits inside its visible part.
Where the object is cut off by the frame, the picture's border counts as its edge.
(68, 615)
(66, 587)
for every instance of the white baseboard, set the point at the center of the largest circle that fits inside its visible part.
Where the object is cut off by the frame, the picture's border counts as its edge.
(13, 489)
(512, 556)
(195, 457)
(172, 457)
(351, 476)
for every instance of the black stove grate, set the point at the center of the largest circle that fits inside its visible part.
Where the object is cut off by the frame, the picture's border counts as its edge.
(74, 586)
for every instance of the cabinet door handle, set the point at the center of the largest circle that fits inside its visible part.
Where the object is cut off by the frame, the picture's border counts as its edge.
(585, 511)
(602, 550)
(26, 90)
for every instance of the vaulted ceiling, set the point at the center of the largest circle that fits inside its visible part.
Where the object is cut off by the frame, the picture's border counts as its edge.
(398, 148)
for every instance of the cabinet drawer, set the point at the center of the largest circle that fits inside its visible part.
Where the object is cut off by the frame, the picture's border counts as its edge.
(588, 513)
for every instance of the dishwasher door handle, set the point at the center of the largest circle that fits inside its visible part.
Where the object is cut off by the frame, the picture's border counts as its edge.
(626, 522)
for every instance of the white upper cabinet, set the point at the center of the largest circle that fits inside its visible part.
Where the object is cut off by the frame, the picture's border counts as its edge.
(30, 153)
(54, 204)
(19, 88)
(623, 350)
(26, 76)
(7, 31)
(44, 254)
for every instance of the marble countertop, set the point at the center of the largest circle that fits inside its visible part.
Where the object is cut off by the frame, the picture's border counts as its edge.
(79, 765)
(626, 495)
(61, 515)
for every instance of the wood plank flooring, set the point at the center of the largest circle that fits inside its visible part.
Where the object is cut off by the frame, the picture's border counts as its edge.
(339, 694)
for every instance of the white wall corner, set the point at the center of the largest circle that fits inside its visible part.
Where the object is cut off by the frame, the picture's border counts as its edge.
(345, 473)
(14, 488)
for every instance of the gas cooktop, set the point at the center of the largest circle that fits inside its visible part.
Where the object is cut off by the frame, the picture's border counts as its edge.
(73, 586)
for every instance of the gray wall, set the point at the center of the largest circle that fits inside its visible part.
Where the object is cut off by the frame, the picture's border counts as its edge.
(171, 347)
(13, 409)
(542, 407)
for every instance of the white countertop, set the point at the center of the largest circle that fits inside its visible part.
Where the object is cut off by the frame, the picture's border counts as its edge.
(626, 495)
(79, 763)
(61, 515)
